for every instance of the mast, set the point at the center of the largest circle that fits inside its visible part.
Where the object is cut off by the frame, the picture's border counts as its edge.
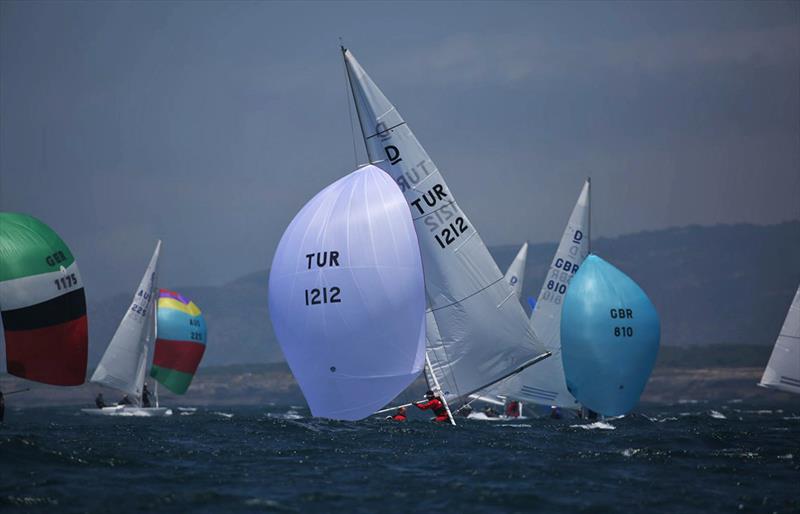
(589, 209)
(355, 102)
(438, 390)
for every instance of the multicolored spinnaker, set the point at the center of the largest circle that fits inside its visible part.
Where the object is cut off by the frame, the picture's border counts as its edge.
(180, 341)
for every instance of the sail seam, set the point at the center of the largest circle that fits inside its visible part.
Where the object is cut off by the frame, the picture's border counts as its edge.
(466, 297)
(386, 130)
(435, 210)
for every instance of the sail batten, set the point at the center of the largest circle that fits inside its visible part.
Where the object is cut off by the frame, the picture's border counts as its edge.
(124, 362)
(471, 340)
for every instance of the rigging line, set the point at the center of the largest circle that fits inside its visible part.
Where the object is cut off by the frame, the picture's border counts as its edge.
(349, 107)
(506, 377)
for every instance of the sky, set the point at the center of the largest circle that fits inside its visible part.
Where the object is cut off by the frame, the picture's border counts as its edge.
(209, 125)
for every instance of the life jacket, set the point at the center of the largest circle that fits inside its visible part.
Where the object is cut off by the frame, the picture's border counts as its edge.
(399, 417)
(441, 410)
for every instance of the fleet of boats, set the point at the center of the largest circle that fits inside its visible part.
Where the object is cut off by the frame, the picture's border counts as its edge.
(379, 278)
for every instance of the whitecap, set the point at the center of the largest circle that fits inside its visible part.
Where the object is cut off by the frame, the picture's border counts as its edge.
(717, 415)
(597, 425)
(223, 414)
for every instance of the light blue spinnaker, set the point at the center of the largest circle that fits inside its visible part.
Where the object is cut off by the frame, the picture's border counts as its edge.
(610, 333)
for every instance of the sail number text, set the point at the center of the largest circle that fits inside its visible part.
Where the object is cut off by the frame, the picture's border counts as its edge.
(620, 313)
(66, 282)
(321, 295)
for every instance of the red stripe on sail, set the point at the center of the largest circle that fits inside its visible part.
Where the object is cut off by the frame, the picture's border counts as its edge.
(52, 355)
(181, 356)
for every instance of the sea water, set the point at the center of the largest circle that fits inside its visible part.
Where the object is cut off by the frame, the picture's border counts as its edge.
(729, 457)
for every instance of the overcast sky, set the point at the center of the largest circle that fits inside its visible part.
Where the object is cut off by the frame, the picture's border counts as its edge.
(209, 125)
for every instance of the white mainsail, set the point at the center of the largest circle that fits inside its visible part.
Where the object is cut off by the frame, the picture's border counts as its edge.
(124, 363)
(546, 384)
(783, 369)
(478, 333)
(515, 275)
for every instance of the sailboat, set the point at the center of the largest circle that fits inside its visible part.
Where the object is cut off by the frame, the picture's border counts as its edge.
(123, 365)
(610, 334)
(783, 369)
(546, 384)
(346, 296)
(43, 303)
(180, 342)
(477, 332)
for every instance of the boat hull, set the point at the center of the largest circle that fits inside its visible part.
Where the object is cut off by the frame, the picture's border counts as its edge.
(130, 411)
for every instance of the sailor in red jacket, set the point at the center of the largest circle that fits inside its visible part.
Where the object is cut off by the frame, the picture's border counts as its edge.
(434, 403)
(399, 415)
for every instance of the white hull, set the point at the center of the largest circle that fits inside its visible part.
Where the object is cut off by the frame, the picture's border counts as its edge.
(130, 411)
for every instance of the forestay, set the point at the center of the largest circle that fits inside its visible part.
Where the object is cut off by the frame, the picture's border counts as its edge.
(42, 302)
(346, 296)
(515, 274)
(610, 334)
(783, 369)
(477, 331)
(545, 383)
(124, 363)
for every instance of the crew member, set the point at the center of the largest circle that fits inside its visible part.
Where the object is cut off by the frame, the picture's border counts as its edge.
(555, 412)
(512, 409)
(99, 401)
(490, 412)
(145, 397)
(125, 401)
(399, 415)
(437, 405)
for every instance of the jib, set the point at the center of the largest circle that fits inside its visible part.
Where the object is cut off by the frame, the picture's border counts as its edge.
(622, 313)
(431, 197)
(56, 258)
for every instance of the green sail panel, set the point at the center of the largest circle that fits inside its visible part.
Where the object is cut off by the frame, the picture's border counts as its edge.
(42, 302)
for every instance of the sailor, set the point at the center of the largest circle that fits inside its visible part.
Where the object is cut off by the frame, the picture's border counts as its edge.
(399, 415)
(434, 403)
(125, 401)
(490, 412)
(465, 411)
(512, 409)
(99, 401)
(555, 412)
(145, 397)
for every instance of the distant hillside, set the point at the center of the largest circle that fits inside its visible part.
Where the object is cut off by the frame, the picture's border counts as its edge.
(721, 284)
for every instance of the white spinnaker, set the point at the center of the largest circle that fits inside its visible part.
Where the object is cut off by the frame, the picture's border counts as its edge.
(515, 275)
(477, 331)
(783, 369)
(347, 296)
(545, 384)
(123, 364)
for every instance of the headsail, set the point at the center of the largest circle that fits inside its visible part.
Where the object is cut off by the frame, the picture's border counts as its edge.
(42, 302)
(477, 331)
(515, 275)
(346, 296)
(180, 343)
(610, 334)
(545, 384)
(783, 369)
(124, 364)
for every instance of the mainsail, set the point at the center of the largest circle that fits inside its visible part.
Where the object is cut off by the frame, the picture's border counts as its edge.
(180, 341)
(477, 331)
(783, 369)
(42, 302)
(124, 363)
(610, 334)
(515, 274)
(347, 298)
(545, 384)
